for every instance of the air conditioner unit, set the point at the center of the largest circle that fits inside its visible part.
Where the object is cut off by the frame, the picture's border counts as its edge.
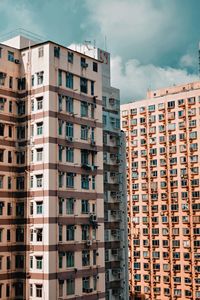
(90, 290)
(2, 75)
(93, 218)
(84, 65)
(94, 168)
(89, 243)
(69, 139)
(17, 61)
(93, 143)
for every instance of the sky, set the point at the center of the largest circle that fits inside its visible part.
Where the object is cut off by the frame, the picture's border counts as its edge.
(153, 43)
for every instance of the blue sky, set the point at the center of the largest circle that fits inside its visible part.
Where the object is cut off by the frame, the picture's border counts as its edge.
(154, 43)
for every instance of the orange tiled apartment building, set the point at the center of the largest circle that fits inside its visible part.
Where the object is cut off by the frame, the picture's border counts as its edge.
(163, 156)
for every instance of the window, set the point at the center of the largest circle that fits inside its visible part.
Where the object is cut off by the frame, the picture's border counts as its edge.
(69, 80)
(85, 284)
(95, 66)
(8, 235)
(84, 132)
(19, 234)
(60, 179)
(85, 207)
(39, 154)
(2, 103)
(9, 183)
(40, 51)
(70, 206)
(60, 231)
(40, 77)
(151, 108)
(94, 257)
(57, 52)
(1, 52)
(69, 104)
(85, 232)
(32, 80)
(39, 207)
(84, 157)
(1, 181)
(83, 62)
(31, 208)
(2, 78)
(60, 151)
(70, 57)
(40, 128)
(31, 290)
(9, 209)
(84, 109)
(39, 260)
(2, 126)
(19, 289)
(39, 233)
(83, 85)
(85, 182)
(9, 131)
(69, 259)
(70, 233)
(39, 103)
(92, 88)
(60, 127)
(60, 206)
(95, 282)
(69, 130)
(38, 290)
(69, 154)
(93, 182)
(85, 258)
(171, 104)
(1, 155)
(60, 98)
(11, 56)
(31, 181)
(20, 209)
(20, 183)
(10, 82)
(39, 180)
(70, 180)
(59, 77)
(193, 135)
(21, 108)
(70, 286)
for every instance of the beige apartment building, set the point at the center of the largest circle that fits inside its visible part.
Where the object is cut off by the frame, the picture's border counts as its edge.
(51, 173)
(163, 156)
(115, 195)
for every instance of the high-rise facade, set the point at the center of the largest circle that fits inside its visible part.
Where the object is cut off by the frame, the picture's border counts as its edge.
(115, 200)
(163, 153)
(51, 173)
(115, 195)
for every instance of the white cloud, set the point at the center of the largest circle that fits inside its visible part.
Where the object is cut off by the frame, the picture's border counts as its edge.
(135, 28)
(188, 61)
(134, 79)
(18, 15)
